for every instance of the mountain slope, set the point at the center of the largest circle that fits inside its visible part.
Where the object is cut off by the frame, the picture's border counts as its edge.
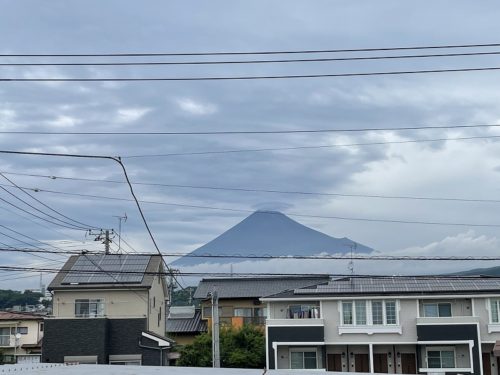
(269, 233)
(490, 271)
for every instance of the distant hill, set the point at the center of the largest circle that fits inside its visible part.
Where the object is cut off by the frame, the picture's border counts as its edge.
(270, 233)
(11, 298)
(491, 271)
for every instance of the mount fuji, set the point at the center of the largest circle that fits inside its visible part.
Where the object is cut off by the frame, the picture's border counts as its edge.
(265, 233)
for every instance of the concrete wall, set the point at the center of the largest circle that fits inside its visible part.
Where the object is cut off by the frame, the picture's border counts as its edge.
(156, 320)
(124, 304)
(407, 318)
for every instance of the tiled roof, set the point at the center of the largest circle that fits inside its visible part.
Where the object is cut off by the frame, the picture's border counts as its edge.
(399, 285)
(8, 315)
(186, 325)
(104, 279)
(254, 287)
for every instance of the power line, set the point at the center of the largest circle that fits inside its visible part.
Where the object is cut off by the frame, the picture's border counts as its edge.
(35, 215)
(284, 257)
(102, 157)
(269, 52)
(255, 77)
(264, 132)
(37, 223)
(239, 62)
(243, 274)
(256, 190)
(78, 223)
(292, 148)
(390, 221)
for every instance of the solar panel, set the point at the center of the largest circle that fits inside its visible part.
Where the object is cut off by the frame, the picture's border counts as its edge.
(107, 269)
(402, 285)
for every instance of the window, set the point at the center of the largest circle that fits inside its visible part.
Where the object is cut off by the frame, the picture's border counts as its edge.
(303, 360)
(390, 312)
(360, 308)
(41, 327)
(362, 313)
(440, 359)
(89, 308)
(303, 312)
(495, 308)
(437, 310)
(224, 311)
(246, 312)
(21, 330)
(5, 336)
(347, 313)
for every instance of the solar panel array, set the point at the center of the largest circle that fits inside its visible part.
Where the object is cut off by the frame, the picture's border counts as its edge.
(107, 269)
(403, 285)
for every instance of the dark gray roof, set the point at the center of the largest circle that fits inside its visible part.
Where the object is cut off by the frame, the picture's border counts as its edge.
(254, 287)
(83, 280)
(186, 325)
(399, 285)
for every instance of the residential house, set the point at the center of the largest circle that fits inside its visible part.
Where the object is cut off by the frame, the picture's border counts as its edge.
(108, 309)
(20, 337)
(239, 298)
(403, 325)
(184, 323)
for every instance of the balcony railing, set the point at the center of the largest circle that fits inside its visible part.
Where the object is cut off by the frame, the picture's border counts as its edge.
(447, 320)
(255, 320)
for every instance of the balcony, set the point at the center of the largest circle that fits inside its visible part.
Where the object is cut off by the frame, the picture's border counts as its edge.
(311, 322)
(448, 320)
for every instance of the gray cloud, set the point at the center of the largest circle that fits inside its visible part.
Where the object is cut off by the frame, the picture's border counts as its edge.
(458, 169)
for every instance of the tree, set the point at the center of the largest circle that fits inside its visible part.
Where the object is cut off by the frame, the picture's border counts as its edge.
(241, 348)
(9, 298)
(197, 354)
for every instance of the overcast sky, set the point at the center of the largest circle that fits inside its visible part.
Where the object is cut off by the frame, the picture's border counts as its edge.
(449, 169)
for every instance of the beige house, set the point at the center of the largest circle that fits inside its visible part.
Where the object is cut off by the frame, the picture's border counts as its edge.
(108, 309)
(239, 302)
(20, 337)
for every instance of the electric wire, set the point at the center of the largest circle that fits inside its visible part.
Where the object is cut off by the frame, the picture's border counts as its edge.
(260, 132)
(101, 157)
(38, 223)
(321, 256)
(251, 78)
(253, 274)
(242, 210)
(252, 190)
(268, 52)
(77, 223)
(292, 148)
(239, 62)
(33, 214)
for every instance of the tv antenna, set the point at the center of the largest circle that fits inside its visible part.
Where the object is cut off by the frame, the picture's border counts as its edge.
(120, 219)
(350, 265)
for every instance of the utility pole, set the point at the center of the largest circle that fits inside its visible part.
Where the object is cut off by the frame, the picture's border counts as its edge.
(215, 330)
(105, 237)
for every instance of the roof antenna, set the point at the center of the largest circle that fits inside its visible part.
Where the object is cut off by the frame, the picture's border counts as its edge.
(350, 266)
(120, 218)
